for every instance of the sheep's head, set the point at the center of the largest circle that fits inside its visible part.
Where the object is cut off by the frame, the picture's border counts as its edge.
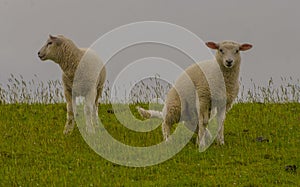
(50, 49)
(228, 53)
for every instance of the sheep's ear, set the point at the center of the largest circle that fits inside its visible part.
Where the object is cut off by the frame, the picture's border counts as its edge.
(55, 39)
(245, 47)
(212, 45)
(52, 37)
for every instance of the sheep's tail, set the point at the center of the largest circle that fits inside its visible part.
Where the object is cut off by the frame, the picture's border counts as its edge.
(149, 113)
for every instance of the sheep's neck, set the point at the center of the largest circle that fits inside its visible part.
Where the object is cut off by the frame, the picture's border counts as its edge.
(69, 60)
(231, 78)
(231, 75)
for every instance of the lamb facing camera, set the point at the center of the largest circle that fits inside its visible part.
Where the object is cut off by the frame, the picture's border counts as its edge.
(202, 89)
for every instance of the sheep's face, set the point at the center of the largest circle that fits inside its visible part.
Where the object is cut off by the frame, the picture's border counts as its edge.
(228, 53)
(50, 49)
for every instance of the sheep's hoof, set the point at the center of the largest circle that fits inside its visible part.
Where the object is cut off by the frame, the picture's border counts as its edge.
(202, 145)
(208, 136)
(69, 127)
(221, 142)
(67, 130)
(143, 112)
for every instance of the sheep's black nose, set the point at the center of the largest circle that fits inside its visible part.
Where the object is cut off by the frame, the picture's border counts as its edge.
(229, 62)
(39, 53)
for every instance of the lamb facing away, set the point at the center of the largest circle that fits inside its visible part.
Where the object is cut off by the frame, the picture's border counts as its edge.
(194, 102)
(90, 77)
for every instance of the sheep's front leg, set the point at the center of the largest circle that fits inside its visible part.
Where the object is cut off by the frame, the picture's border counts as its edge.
(70, 115)
(221, 119)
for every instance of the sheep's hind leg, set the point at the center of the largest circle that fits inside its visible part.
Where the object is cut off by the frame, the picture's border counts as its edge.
(90, 112)
(207, 134)
(221, 118)
(201, 132)
(166, 130)
(95, 111)
(95, 114)
(204, 135)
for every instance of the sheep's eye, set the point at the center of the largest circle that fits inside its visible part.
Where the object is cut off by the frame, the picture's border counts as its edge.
(237, 51)
(49, 43)
(221, 50)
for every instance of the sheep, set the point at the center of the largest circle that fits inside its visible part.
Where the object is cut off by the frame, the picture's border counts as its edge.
(83, 74)
(202, 84)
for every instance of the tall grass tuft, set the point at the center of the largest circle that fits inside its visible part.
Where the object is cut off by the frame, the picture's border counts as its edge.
(18, 90)
(287, 90)
(152, 89)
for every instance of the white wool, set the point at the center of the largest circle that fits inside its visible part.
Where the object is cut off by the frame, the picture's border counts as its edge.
(90, 76)
(202, 86)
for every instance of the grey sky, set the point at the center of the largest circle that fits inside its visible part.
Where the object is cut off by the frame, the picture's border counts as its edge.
(271, 26)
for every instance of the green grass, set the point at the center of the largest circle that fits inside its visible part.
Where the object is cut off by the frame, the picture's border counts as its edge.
(34, 151)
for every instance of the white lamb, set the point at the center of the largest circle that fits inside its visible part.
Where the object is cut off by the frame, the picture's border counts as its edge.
(200, 88)
(90, 77)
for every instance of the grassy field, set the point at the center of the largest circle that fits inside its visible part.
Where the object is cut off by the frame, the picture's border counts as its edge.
(262, 147)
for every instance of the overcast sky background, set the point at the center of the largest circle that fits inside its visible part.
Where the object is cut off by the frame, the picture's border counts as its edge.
(272, 26)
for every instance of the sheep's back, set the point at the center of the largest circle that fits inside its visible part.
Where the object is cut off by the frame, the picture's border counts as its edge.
(89, 74)
(204, 77)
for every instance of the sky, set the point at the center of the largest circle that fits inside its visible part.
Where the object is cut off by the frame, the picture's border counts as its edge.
(272, 26)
